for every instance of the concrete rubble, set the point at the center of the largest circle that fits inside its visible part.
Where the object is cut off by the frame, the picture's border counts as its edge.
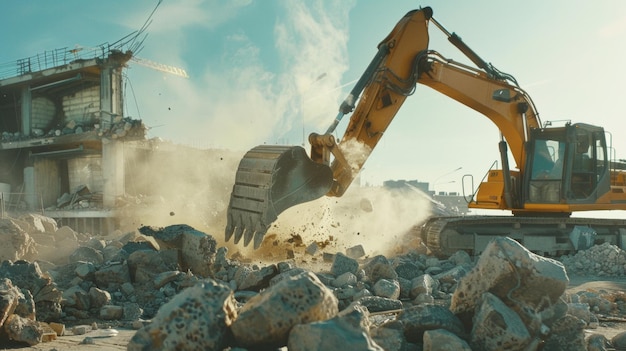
(180, 290)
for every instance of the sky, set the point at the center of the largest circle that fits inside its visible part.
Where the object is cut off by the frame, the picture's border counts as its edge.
(273, 71)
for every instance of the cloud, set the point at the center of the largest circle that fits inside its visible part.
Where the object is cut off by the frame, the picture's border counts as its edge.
(243, 99)
(173, 16)
(613, 29)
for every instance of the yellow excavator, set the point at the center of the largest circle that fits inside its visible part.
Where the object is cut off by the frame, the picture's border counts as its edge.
(559, 170)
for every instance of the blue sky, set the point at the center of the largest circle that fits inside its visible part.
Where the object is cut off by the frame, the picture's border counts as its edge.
(272, 71)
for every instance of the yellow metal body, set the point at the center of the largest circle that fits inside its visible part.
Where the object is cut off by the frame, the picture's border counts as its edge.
(273, 178)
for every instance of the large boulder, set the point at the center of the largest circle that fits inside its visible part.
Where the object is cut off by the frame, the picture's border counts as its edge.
(267, 318)
(28, 277)
(198, 318)
(497, 327)
(513, 274)
(349, 328)
(17, 244)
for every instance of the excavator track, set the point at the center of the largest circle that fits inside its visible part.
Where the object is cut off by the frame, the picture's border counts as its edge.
(548, 236)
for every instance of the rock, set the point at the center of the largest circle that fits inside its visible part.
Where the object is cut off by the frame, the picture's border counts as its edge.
(258, 279)
(581, 311)
(198, 252)
(387, 288)
(27, 330)
(111, 277)
(132, 311)
(418, 319)
(390, 336)
(409, 270)
(312, 249)
(566, 334)
(87, 254)
(197, 249)
(196, 319)
(424, 284)
(146, 265)
(267, 318)
(16, 243)
(39, 223)
(344, 280)
(168, 237)
(379, 304)
(28, 276)
(378, 267)
(66, 233)
(85, 270)
(77, 297)
(10, 296)
(460, 258)
(343, 264)
(355, 252)
(497, 327)
(98, 297)
(95, 243)
(140, 245)
(619, 340)
(443, 340)
(512, 273)
(334, 334)
(597, 342)
(111, 312)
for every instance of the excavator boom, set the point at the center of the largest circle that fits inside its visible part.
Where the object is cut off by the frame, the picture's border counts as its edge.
(272, 178)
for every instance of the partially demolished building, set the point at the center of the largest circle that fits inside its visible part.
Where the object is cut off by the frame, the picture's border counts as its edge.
(63, 135)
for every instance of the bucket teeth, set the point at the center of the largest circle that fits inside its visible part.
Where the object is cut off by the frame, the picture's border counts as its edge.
(258, 239)
(239, 233)
(270, 179)
(246, 225)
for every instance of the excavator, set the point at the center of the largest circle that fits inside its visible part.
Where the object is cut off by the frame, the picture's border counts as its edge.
(558, 170)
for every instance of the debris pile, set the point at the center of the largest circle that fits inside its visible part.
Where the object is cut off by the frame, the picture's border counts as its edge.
(179, 290)
(80, 198)
(600, 260)
(116, 127)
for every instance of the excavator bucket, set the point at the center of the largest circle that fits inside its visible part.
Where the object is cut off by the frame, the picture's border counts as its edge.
(270, 179)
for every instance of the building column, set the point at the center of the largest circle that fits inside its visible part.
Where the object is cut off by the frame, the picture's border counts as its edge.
(30, 194)
(27, 104)
(112, 171)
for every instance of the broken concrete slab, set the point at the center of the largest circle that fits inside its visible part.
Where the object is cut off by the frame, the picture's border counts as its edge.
(196, 319)
(497, 327)
(334, 334)
(267, 318)
(512, 273)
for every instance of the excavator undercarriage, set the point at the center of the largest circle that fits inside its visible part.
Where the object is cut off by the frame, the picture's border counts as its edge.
(548, 236)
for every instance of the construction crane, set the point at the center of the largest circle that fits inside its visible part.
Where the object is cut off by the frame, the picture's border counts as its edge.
(160, 67)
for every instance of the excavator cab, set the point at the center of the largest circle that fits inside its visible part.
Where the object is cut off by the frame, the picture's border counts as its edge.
(567, 165)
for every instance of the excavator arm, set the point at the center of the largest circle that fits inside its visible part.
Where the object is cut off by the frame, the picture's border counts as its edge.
(272, 178)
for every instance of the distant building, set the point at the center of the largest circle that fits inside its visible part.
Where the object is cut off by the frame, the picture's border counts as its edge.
(444, 203)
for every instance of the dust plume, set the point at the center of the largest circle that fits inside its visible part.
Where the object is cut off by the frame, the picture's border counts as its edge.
(355, 152)
(377, 218)
(169, 184)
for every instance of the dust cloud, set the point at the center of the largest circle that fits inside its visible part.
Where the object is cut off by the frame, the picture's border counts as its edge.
(169, 184)
(355, 152)
(377, 218)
